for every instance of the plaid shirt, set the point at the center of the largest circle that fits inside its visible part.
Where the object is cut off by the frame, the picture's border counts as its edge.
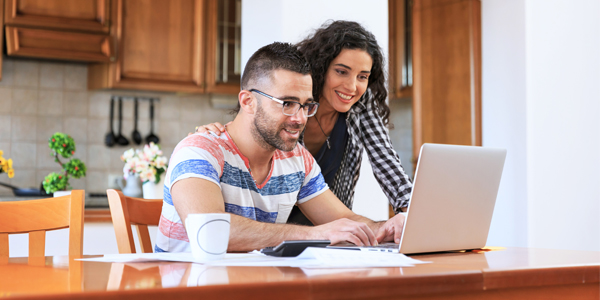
(366, 129)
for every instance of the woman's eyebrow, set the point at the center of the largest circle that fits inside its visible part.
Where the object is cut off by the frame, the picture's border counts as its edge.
(348, 67)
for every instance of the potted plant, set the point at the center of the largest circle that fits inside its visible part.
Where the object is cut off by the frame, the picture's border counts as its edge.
(6, 166)
(58, 183)
(149, 164)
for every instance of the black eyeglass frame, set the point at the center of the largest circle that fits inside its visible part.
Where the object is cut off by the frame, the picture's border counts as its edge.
(282, 102)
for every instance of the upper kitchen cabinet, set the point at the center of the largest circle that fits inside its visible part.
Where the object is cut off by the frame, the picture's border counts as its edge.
(58, 29)
(159, 47)
(189, 46)
(400, 49)
(223, 44)
(447, 72)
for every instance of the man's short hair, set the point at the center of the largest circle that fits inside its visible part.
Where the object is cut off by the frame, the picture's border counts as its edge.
(273, 57)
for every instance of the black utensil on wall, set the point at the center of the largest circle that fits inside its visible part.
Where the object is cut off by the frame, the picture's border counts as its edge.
(135, 135)
(121, 140)
(109, 139)
(152, 137)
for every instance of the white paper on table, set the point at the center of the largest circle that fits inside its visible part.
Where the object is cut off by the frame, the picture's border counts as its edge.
(310, 258)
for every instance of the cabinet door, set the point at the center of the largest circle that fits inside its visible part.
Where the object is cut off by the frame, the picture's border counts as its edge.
(55, 44)
(76, 15)
(447, 72)
(223, 46)
(160, 47)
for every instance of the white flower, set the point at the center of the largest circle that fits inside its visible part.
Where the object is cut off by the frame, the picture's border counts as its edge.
(127, 155)
(145, 162)
(148, 175)
(161, 162)
(126, 169)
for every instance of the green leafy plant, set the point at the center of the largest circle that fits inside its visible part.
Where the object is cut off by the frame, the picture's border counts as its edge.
(63, 145)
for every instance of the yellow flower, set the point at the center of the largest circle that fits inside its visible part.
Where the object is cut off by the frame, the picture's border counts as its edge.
(10, 163)
(11, 173)
(2, 161)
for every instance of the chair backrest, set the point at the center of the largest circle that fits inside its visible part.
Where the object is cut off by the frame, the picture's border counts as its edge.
(126, 211)
(38, 216)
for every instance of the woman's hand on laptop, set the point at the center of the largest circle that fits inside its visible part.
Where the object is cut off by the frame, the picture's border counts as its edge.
(391, 230)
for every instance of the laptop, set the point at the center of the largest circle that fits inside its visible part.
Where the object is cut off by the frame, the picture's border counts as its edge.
(452, 201)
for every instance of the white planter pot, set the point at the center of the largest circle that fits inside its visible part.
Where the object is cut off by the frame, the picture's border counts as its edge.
(133, 186)
(154, 190)
(61, 193)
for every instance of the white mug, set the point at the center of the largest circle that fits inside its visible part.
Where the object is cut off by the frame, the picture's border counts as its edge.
(208, 235)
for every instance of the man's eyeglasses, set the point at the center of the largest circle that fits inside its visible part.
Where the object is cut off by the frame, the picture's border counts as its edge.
(290, 108)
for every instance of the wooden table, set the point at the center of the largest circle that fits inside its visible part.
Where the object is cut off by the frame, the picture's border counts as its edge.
(512, 273)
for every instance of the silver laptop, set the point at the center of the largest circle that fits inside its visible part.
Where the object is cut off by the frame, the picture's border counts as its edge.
(452, 200)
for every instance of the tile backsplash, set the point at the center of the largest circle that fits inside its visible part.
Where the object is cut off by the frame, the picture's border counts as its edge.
(39, 98)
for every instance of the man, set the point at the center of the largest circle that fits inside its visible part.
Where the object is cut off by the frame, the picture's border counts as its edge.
(256, 170)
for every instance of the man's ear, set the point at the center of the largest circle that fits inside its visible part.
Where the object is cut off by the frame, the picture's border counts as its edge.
(247, 101)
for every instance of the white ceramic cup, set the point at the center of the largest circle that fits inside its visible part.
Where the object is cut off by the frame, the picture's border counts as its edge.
(208, 235)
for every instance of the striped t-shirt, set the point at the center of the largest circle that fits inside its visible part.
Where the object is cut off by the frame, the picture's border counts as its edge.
(294, 178)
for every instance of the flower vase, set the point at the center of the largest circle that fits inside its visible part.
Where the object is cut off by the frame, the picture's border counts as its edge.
(154, 190)
(133, 186)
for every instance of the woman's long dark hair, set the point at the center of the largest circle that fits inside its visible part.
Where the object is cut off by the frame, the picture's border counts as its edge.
(322, 47)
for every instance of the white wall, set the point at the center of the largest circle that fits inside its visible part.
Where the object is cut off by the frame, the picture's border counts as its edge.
(264, 22)
(504, 114)
(563, 122)
(541, 99)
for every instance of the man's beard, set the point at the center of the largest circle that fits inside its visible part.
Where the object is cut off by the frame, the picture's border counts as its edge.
(266, 132)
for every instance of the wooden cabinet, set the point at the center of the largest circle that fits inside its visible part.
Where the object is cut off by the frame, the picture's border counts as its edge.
(400, 49)
(164, 46)
(447, 72)
(160, 47)
(58, 29)
(223, 46)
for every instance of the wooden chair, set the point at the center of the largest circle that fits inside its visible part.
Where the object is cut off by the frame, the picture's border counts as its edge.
(38, 216)
(126, 211)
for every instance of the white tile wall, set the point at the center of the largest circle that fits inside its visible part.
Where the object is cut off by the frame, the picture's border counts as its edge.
(5, 100)
(27, 74)
(52, 75)
(38, 98)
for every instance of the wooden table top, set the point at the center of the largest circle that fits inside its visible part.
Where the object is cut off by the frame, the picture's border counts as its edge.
(498, 274)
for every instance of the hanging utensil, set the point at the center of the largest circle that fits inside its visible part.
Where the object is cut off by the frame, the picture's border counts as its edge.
(109, 139)
(152, 137)
(121, 140)
(135, 135)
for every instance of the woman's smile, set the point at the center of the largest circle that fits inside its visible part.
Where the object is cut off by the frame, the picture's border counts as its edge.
(346, 80)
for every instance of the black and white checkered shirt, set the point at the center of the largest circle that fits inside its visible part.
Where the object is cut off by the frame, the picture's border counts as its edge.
(367, 130)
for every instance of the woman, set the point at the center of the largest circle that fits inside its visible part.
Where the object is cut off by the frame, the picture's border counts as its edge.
(349, 84)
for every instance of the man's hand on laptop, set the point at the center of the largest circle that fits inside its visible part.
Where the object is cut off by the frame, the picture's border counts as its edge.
(345, 230)
(391, 230)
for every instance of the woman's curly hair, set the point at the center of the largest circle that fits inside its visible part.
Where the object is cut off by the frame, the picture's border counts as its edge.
(326, 43)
